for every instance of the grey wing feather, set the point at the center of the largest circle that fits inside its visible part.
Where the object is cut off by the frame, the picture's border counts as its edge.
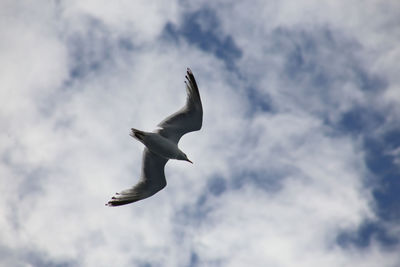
(187, 119)
(152, 181)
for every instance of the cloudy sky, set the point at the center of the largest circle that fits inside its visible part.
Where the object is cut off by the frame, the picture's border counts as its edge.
(297, 163)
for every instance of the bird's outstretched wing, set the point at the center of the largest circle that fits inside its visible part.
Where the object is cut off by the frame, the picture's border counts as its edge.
(187, 119)
(152, 181)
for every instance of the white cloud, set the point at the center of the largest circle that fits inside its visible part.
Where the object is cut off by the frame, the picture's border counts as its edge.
(141, 19)
(65, 148)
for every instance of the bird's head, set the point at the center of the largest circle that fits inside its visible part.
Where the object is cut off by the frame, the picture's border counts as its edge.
(182, 156)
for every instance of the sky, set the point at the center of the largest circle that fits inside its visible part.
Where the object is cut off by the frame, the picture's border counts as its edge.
(297, 163)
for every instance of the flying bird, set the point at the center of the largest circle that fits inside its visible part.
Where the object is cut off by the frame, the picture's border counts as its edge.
(162, 145)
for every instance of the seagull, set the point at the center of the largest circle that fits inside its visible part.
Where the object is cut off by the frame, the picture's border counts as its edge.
(162, 145)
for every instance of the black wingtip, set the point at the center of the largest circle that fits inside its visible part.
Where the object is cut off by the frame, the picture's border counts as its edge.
(192, 82)
(189, 75)
(139, 135)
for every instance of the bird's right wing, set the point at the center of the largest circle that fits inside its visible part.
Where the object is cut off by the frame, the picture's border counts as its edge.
(187, 119)
(152, 181)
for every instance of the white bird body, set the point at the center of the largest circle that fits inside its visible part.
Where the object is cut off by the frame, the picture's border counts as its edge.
(158, 144)
(162, 145)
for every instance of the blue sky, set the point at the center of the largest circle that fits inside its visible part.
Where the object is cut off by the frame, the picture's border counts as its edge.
(297, 164)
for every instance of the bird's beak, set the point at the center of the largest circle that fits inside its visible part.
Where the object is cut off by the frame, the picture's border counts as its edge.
(189, 160)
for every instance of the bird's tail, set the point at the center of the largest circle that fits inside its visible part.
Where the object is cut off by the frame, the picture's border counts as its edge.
(137, 134)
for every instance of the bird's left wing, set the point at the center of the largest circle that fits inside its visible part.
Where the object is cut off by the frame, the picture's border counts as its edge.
(152, 181)
(187, 119)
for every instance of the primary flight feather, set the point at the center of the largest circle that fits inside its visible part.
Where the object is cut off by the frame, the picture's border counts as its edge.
(162, 145)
